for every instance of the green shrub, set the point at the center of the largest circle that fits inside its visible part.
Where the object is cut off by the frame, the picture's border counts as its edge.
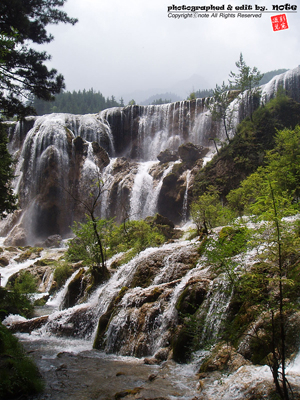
(25, 283)
(19, 375)
(62, 273)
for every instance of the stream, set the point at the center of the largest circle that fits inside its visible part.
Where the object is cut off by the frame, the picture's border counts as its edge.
(73, 371)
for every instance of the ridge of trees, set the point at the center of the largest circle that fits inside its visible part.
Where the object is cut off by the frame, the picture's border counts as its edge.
(81, 102)
(91, 101)
(267, 76)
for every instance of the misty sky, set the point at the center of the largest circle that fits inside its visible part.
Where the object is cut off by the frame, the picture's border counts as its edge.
(120, 47)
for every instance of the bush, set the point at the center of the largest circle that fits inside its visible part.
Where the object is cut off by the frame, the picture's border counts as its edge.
(134, 235)
(19, 375)
(25, 283)
(62, 273)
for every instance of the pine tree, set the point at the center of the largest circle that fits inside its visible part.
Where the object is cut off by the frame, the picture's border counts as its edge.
(23, 71)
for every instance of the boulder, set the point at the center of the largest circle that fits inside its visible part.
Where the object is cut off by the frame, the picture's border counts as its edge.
(189, 153)
(30, 325)
(53, 241)
(167, 156)
(4, 262)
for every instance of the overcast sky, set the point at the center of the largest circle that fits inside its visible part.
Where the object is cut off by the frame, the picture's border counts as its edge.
(119, 47)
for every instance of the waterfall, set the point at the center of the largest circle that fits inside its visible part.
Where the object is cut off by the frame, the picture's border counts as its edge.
(217, 303)
(153, 197)
(141, 191)
(52, 162)
(185, 199)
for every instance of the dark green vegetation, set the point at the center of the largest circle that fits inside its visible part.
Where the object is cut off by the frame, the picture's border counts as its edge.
(130, 238)
(23, 71)
(81, 102)
(7, 198)
(19, 375)
(256, 174)
(247, 149)
(17, 300)
(263, 80)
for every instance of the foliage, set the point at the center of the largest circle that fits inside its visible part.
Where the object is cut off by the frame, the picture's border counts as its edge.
(220, 107)
(23, 70)
(81, 102)
(25, 283)
(19, 375)
(14, 302)
(207, 211)
(7, 198)
(246, 78)
(85, 245)
(221, 249)
(268, 287)
(282, 170)
(161, 101)
(192, 96)
(203, 93)
(247, 149)
(62, 273)
(134, 236)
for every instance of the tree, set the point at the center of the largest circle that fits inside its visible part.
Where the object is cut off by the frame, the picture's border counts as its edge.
(207, 211)
(219, 107)
(22, 69)
(280, 244)
(282, 169)
(246, 79)
(91, 204)
(271, 194)
(8, 201)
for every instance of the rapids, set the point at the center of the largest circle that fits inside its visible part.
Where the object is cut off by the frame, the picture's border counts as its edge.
(141, 328)
(135, 317)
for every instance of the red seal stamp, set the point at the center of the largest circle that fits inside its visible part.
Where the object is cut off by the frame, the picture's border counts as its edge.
(279, 22)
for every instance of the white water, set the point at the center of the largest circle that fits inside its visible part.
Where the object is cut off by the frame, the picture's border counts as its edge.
(14, 267)
(185, 199)
(142, 191)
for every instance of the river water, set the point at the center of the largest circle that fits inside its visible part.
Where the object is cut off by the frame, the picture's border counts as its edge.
(73, 371)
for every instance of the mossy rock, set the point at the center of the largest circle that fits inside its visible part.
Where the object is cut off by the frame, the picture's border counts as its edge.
(44, 262)
(28, 253)
(182, 343)
(218, 359)
(75, 290)
(191, 298)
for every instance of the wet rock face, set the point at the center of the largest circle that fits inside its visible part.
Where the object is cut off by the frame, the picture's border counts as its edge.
(30, 325)
(167, 156)
(189, 153)
(139, 322)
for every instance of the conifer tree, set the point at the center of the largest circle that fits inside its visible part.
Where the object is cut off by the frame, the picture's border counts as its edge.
(23, 71)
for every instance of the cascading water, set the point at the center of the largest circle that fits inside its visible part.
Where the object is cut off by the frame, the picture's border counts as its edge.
(141, 191)
(185, 199)
(52, 162)
(139, 304)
